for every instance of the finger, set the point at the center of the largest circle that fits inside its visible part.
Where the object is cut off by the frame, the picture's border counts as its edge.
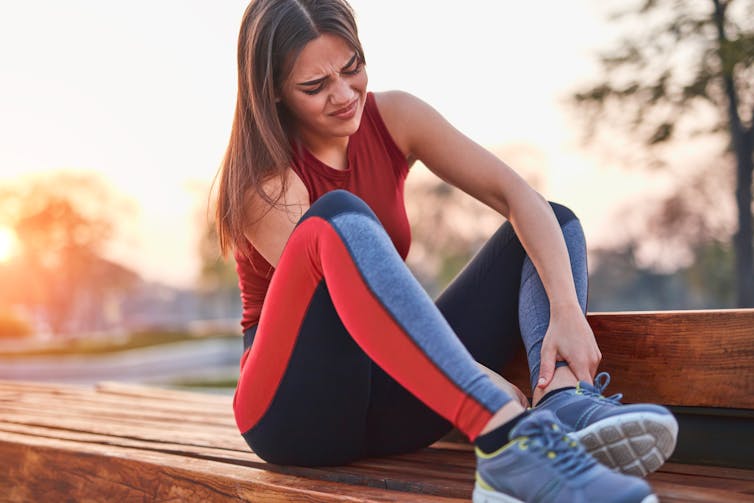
(582, 370)
(597, 363)
(546, 366)
(592, 363)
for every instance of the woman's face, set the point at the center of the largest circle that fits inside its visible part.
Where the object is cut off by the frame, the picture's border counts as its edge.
(326, 90)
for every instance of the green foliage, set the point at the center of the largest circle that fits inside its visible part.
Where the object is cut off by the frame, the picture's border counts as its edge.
(199, 384)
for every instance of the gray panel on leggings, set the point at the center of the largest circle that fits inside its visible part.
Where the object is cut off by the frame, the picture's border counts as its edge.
(534, 306)
(403, 297)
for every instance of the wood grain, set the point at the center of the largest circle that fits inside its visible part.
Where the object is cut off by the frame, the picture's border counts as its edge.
(131, 443)
(47, 469)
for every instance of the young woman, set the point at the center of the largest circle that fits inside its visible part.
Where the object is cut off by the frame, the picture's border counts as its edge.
(345, 354)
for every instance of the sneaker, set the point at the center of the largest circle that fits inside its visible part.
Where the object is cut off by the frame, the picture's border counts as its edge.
(542, 463)
(635, 439)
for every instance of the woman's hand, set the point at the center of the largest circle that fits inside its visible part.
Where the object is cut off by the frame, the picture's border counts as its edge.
(508, 387)
(570, 338)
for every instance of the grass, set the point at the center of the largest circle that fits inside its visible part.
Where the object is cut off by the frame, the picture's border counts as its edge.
(141, 339)
(207, 383)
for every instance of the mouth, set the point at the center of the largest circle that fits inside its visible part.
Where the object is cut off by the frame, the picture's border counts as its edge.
(347, 111)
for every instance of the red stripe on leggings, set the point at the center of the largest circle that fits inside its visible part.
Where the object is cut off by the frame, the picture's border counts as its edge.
(313, 249)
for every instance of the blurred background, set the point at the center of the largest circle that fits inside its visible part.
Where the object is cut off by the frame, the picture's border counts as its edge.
(114, 118)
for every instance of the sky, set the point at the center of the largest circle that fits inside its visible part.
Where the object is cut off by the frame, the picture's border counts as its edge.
(142, 93)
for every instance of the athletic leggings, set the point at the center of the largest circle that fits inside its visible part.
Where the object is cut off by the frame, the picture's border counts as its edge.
(352, 359)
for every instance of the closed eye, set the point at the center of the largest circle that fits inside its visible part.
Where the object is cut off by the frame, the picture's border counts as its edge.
(355, 65)
(356, 69)
(351, 62)
(312, 92)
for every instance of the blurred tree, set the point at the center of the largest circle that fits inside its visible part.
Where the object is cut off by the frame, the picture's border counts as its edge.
(62, 220)
(619, 282)
(447, 228)
(218, 281)
(11, 326)
(685, 62)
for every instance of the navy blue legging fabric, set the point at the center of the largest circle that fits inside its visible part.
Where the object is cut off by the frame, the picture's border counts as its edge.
(335, 405)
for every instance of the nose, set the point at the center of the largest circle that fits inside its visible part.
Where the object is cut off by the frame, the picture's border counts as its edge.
(341, 94)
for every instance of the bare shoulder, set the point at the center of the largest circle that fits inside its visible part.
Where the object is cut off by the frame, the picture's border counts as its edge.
(405, 116)
(399, 110)
(269, 225)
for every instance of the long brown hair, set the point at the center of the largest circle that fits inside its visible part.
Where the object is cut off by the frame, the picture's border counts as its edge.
(273, 33)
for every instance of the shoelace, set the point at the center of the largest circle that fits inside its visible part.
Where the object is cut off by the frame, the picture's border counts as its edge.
(601, 382)
(566, 453)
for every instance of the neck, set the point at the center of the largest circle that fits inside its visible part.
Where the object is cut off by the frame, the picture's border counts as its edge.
(331, 151)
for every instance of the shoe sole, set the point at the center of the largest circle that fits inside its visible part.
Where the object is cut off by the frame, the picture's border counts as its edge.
(637, 443)
(482, 495)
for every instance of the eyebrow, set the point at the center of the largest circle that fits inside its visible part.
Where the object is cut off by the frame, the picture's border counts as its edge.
(322, 79)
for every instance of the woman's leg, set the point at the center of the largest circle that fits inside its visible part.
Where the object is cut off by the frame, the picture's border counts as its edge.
(389, 316)
(533, 304)
(498, 300)
(317, 414)
(491, 307)
(340, 243)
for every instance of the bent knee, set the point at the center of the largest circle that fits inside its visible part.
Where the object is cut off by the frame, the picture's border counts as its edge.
(563, 213)
(336, 202)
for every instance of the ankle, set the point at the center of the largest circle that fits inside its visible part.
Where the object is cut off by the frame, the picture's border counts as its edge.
(552, 393)
(563, 378)
(502, 416)
(497, 438)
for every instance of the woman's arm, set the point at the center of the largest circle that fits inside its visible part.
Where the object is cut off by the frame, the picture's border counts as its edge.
(425, 135)
(269, 227)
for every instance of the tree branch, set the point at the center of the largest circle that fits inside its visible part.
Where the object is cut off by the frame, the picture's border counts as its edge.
(727, 70)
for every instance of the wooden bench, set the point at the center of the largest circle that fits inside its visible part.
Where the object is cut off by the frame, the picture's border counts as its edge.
(116, 442)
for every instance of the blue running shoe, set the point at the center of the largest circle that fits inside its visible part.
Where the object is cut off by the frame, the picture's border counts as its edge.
(542, 463)
(635, 439)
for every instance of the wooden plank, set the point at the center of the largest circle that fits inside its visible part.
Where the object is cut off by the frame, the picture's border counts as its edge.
(720, 472)
(153, 432)
(684, 358)
(18, 391)
(698, 481)
(381, 471)
(444, 470)
(179, 396)
(136, 410)
(675, 493)
(668, 490)
(137, 475)
(405, 476)
(447, 479)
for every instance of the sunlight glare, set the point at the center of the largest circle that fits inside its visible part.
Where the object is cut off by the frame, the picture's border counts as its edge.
(8, 243)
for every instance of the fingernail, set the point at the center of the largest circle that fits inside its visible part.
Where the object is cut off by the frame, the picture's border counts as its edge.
(542, 380)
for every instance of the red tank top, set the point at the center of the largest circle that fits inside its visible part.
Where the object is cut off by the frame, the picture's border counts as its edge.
(376, 173)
